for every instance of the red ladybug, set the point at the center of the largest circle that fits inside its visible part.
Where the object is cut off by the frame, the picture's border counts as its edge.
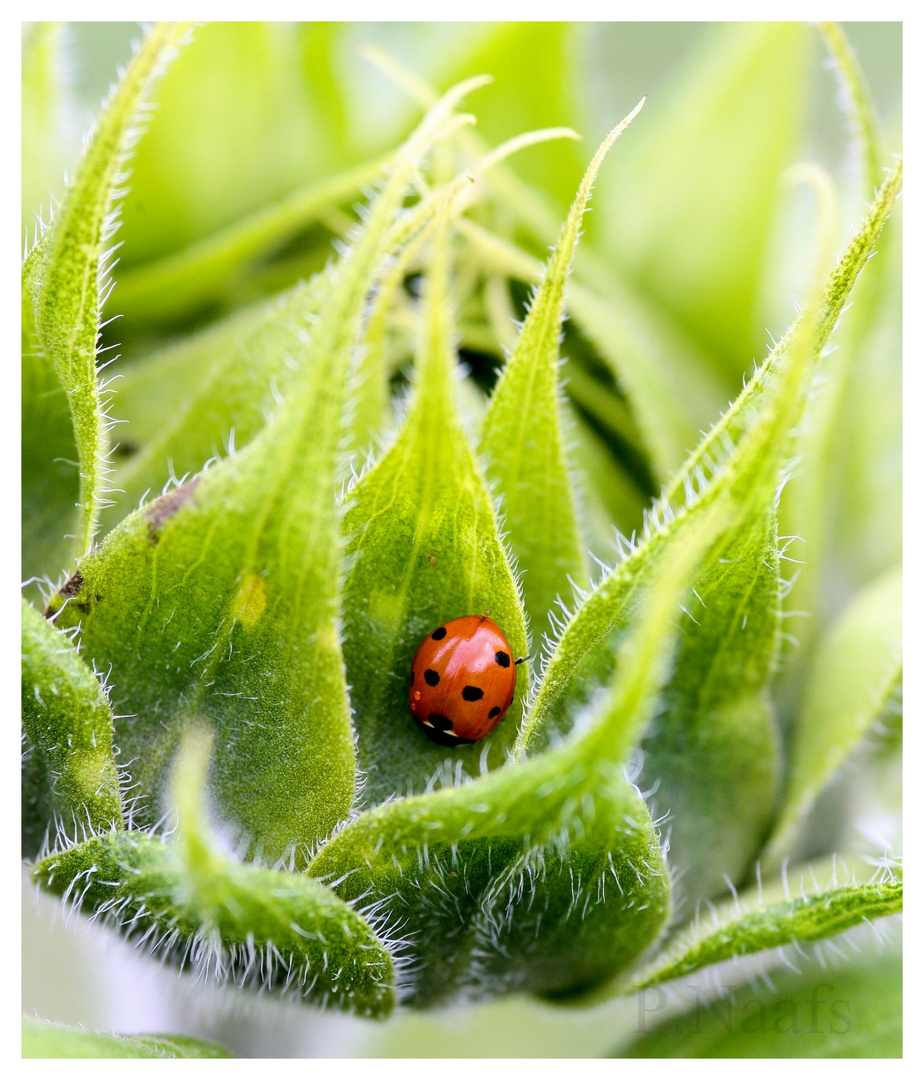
(462, 680)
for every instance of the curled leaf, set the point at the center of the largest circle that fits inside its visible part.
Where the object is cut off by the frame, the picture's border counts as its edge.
(745, 927)
(65, 278)
(70, 778)
(237, 922)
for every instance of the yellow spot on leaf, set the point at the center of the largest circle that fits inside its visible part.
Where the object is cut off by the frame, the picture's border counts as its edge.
(249, 601)
(328, 638)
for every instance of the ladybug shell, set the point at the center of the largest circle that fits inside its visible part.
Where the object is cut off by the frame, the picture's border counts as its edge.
(462, 680)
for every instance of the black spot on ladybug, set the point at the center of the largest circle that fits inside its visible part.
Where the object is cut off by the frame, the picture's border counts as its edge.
(445, 739)
(494, 712)
(502, 658)
(439, 633)
(473, 693)
(431, 676)
(412, 678)
(441, 723)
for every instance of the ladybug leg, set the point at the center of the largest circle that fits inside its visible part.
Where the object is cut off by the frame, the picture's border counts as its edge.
(522, 660)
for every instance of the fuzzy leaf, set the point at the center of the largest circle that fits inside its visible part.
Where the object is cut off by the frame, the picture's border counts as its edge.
(718, 724)
(698, 245)
(742, 927)
(44, 1039)
(69, 775)
(503, 881)
(867, 445)
(857, 670)
(719, 729)
(851, 1009)
(664, 374)
(522, 434)
(671, 391)
(850, 425)
(424, 544)
(66, 272)
(239, 923)
(448, 200)
(276, 930)
(220, 602)
(720, 455)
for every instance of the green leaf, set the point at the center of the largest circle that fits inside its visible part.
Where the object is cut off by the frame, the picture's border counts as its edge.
(714, 447)
(744, 927)
(234, 131)
(424, 547)
(606, 494)
(522, 433)
(670, 389)
(448, 200)
(858, 103)
(867, 445)
(717, 724)
(852, 423)
(207, 271)
(65, 276)
(240, 923)
(185, 404)
(728, 129)
(665, 376)
(857, 670)
(44, 1039)
(544, 875)
(42, 167)
(849, 1009)
(220, 602)
(50, 474)
(517, 100)
(69, 774)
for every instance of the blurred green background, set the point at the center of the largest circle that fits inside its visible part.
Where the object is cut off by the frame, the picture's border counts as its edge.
(193, 179)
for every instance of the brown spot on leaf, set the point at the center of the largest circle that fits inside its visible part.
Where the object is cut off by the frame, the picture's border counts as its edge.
(73, 585)
(68, 590)
(166, 506)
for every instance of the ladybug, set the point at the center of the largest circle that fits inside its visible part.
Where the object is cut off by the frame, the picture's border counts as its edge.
(463, 676)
